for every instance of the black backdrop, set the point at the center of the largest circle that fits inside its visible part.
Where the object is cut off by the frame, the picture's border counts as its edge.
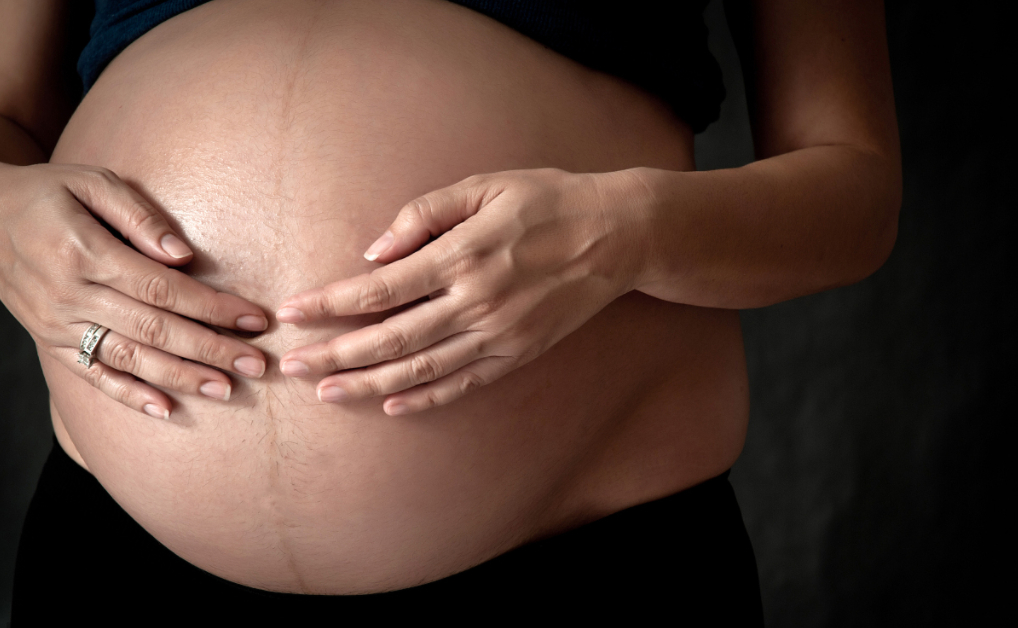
(872, 481)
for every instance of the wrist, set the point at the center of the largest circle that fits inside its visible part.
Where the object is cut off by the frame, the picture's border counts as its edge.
(639, 194)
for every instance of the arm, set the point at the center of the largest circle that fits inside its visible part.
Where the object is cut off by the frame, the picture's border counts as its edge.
(819, 209)
(537, 253)
(36, 78)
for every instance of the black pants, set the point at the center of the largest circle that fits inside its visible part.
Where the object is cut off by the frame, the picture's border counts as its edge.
(685, 559)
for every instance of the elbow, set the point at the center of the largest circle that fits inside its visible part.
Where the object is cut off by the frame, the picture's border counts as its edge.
(888, 210)
(879, 239)
(883, 243)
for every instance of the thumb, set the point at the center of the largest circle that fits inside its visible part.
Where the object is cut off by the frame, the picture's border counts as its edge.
(429, 216)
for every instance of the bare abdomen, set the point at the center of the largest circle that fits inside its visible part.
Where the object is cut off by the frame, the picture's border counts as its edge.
(281, 139)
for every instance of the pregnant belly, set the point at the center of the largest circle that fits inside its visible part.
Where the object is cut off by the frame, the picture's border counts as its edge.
(281, 139)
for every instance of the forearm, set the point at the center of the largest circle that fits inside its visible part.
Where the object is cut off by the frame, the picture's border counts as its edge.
(776, 229)
(17, 146)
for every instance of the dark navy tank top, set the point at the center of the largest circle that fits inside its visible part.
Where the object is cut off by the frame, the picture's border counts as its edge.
(659, 45)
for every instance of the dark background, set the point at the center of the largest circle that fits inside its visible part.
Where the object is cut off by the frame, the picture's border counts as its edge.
(872, 480)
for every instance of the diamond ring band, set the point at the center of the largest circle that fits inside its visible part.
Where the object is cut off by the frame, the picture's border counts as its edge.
(89, 342)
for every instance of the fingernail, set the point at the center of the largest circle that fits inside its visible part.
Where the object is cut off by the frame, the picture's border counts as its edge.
(294, 368)
(252, 367)
(216, 390)
(252, 323)
(397, 409)
(156, 412)
(290, 315)
(174, 247)
(332, 394)
(380, 246)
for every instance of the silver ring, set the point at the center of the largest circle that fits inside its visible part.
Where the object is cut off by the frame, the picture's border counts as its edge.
(89, 341)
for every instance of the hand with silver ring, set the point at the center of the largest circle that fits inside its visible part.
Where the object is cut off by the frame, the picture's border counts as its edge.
(62, 272)
(89, 342)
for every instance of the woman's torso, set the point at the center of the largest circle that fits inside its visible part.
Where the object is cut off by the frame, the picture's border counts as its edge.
(281, 139)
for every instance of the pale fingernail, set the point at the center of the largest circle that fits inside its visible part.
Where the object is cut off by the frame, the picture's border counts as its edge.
(252, 367)
(381, 245)
(252, 323)
(174, 247)
(332, 394)
(156, 412)
(294, 368)
(216, 390)
(398, 408)
(290, 315)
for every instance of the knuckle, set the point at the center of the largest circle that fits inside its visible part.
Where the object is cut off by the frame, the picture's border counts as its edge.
(211, 350)
(213, 310)
(488, 307)
(334, 355)
(423, 209)
(45, 321)
(156, 289)
(391, 344)
(322, 304)
(73, 252)
(119, 391)
(483, 309)
(431, 399)
(123, 356)
(370, 385)
(94, 376)
(97, 175)
(152, 329)
(424, 368)
(375, 296)
(470, 382)
(60, 294)
(97, 181)
(144, 220)
(463, 261)
(52, 350)
(52, 196)
(177, 378)
(482, 344)
(105, 174)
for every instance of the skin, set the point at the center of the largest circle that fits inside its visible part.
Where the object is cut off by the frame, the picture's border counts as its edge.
(817, 211)
(51, 209)
(491, 316)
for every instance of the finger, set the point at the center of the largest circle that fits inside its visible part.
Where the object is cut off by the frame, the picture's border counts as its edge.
(175, 335)
(412, 370)
(162, 369)
(382, 289)
(431, 215)
(397, 336)
(451, 387)
(150, 282)
(117, 385)
(123, 208)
